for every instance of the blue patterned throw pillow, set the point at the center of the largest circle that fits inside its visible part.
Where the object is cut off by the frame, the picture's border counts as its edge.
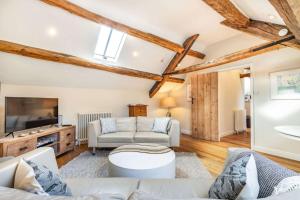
(237, 181)
(50, 181)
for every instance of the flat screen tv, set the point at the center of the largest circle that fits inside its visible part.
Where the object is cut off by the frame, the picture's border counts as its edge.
(25, 113)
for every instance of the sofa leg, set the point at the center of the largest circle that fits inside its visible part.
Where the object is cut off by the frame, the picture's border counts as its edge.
(94, 151)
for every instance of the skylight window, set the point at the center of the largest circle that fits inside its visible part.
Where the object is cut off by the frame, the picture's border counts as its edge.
(109, 44)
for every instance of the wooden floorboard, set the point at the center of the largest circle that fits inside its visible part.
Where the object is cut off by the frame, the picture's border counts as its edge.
(65, 158)
(212, 154)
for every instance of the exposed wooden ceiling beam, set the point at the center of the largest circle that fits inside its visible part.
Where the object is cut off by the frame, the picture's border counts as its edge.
(228, 10)
(245, 75)
(43, 54)
(86, 14)
(237, 20)
(264, 30)
(173, 64)
(174, 80)
(289, 10)
(243, 54)
(188, 43)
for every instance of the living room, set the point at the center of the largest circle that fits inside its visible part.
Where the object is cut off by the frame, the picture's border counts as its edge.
(197, 101)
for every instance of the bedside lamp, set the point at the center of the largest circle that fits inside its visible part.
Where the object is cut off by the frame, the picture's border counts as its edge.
(168, 102)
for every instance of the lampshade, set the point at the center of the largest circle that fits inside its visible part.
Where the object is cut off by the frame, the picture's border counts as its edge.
(168, 102)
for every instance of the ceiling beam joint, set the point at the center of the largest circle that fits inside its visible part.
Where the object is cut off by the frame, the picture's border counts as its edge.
(173, 64)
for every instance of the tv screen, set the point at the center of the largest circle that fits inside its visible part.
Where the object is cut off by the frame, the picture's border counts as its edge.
(24, 113)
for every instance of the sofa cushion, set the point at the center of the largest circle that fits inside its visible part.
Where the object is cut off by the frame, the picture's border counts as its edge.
(151, 137)
(15, 194)
(176, 188)
(138, 195)
(118, 137)
(126, 124)
(87, 186)
(144, 124)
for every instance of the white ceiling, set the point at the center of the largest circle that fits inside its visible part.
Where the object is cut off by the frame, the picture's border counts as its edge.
(259, 10)
(28, 22)
(172, 19)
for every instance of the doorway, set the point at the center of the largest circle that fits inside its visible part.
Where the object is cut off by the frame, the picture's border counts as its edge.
(221, 106)
(235, 96)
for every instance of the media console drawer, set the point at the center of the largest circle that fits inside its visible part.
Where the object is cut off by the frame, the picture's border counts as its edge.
(66, 146)
(67, 135)
(18, 148)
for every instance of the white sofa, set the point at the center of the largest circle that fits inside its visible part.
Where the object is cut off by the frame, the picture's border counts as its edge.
(86, 188)
(133, 130)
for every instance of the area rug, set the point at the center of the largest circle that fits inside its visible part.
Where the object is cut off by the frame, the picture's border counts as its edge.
(188, 165)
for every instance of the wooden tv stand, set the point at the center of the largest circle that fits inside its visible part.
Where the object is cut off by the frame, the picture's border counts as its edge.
(62, 139)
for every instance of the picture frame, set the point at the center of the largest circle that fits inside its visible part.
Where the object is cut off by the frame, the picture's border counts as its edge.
(285, 85)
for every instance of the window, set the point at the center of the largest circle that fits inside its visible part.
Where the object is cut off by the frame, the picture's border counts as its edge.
(109, 44)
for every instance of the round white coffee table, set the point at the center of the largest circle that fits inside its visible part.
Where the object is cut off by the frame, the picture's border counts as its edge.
(142, 161)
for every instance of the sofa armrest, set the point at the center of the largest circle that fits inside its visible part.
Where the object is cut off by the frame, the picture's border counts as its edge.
(174, 133)
(94, 130)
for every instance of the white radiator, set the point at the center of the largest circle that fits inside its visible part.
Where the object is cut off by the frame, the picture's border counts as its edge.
(82, 123)
(240, 120)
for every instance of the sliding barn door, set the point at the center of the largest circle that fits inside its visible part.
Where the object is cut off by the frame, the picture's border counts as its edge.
(205, 106)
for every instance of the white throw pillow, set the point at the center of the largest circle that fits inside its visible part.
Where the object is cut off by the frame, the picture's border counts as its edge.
(287, 185)
(251, 189)
(161, 124)
(144, 124)
(25, 179)
(126, 124)
(108, 125)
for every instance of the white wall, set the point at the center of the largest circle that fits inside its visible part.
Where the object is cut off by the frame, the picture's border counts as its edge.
(230, 94)
(269, 113)
(183, 110)
(79, 100)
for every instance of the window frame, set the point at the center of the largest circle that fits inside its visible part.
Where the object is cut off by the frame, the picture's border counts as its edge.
(105, 57)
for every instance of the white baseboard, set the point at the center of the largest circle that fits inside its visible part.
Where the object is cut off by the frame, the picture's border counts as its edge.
(275, 152)
(226, 133)
(187, 132)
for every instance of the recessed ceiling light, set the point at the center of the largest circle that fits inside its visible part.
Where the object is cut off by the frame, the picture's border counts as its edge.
(283, 32)
(135, 54)
(51, 31)
(271, 17)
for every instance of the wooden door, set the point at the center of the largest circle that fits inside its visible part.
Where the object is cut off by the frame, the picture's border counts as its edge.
(205, 106)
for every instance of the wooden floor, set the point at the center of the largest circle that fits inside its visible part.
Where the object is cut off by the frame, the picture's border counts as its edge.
(212, 154)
